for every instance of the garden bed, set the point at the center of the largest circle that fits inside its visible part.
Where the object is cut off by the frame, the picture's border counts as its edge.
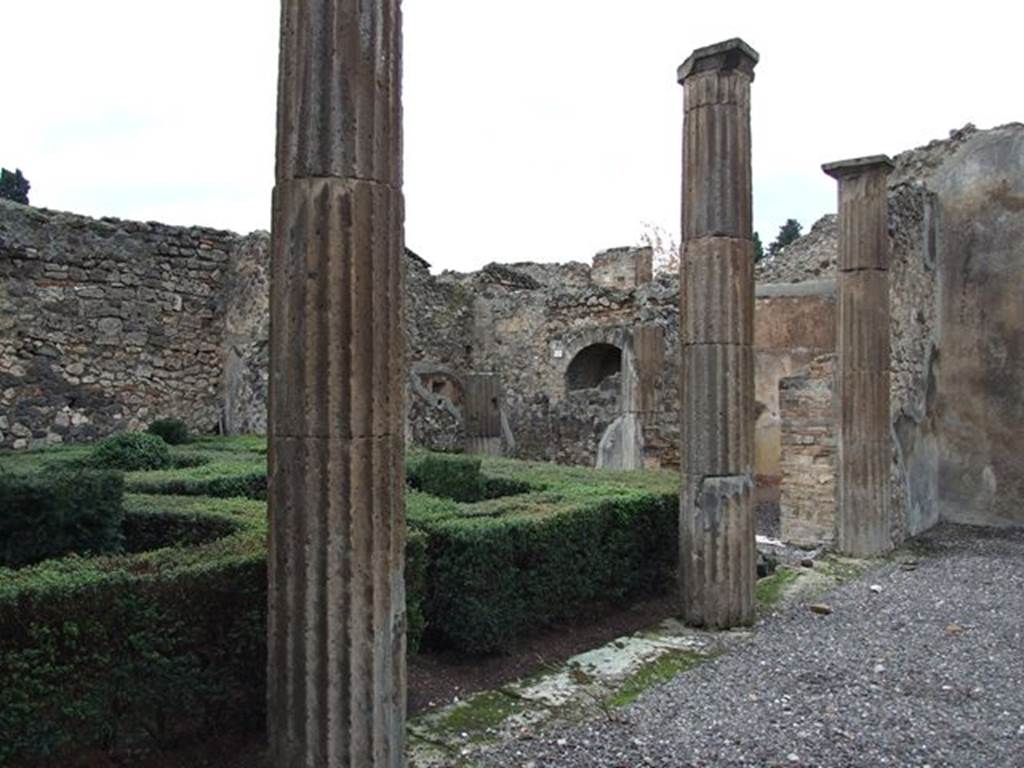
(117, 648)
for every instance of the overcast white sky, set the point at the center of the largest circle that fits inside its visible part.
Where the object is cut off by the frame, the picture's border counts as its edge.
(540, 130)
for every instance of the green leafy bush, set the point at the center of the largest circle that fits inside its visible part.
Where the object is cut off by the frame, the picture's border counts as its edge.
(102, 652)
(250, 484)
(493, 580)
(189, 460)
(147, 530)
(131, 451)
(90, 659)
(50, 514)
(172, 431)
(113, 650)
(415, 589)
(450, 476)
(14, 186)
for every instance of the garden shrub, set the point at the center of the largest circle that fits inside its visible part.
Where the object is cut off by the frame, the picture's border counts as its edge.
(498, 487)
(90, 659)
(171, 431)
(250, 484)
(415, 588)
(131, 451)
(450, 476)
(115, 650)
(147, 530)
(493, 580)
(50, 514)
(189, 460)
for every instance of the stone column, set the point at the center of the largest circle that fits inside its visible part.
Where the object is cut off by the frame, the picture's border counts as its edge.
(718, 558)
(865, 442)
(336, 634)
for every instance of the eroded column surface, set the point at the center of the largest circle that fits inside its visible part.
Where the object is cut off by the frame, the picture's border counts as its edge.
(865, 443)
(336, 634)
(716, 522)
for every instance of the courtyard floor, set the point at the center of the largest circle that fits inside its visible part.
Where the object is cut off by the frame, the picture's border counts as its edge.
(917, 660)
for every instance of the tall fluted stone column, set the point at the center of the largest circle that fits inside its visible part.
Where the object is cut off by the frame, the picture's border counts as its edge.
(336, 634)
(865, 442)
(718, 559)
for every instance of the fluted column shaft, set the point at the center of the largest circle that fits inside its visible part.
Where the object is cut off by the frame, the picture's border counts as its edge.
(716, 521)
(336, 634)
(864, 518)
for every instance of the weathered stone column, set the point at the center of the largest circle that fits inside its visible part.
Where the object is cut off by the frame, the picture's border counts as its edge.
(718, 559)
(865, 442)
(336, 634)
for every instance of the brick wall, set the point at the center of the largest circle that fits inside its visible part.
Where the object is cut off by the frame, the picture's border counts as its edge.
(809, 462)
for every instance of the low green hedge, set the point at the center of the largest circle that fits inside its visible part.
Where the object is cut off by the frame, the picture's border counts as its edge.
(50, 514)
(492, 580)
(96, 655)
(207, 469)
(151, 523)
(171, 431)
(250, 485)
(103, 651)
(109, 650)
(449, 476)
(131, 451)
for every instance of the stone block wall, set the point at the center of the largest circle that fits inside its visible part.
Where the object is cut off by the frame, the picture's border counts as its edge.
(793, 324)
(957, 264)
(809, 461)
(624, 268)
(106, 325)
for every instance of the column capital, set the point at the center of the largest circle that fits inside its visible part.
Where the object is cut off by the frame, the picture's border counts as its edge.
(726, 56)
(845, 169)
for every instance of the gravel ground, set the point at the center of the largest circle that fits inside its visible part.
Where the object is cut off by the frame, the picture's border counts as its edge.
(927, 672)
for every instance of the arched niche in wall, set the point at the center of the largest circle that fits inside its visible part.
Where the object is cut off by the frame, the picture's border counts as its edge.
(592, 365)
(442, 384)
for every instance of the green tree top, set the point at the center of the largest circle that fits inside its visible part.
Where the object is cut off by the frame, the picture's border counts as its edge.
(788, 232)
(758, 248)
(14, 186)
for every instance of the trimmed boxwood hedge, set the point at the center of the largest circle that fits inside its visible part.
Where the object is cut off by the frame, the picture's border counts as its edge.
(450, 476)
(171, 431)
(103, 651)
(150, 523)
(95, 655)
(493, 580)
(131, 451)
(49, 514)
(109, 650)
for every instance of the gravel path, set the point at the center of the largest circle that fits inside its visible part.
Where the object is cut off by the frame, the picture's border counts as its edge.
(927, 672)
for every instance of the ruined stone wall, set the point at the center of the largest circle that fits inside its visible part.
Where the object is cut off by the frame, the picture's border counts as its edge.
(793, 324)
(246, 298)
(956, 232)
(107, 324)
(979, 194)
(914, 350)
(624, 268)
(812, 257)
(809, 460)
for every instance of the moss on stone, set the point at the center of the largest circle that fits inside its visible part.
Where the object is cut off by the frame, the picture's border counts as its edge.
(660, 670)
(480, 714)
(770, 589)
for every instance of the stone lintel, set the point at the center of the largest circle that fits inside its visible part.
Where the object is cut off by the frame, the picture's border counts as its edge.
(844, 169)
(725, 56)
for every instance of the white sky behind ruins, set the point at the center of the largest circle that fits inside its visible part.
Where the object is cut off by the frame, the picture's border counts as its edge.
(541, 130)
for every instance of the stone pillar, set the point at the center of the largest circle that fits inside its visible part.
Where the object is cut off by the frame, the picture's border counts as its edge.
(865, 442)
(718, 558)
(336, 630)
